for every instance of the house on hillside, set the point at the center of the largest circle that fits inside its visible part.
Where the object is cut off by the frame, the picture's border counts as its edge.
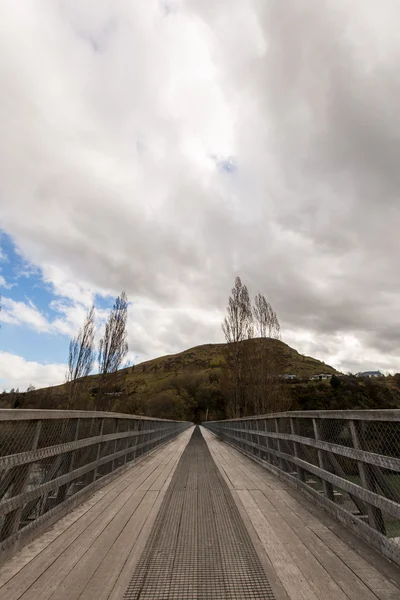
(289, 377)
(369, 374)
(321, 377)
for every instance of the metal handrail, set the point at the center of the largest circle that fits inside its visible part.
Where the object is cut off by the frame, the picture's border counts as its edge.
(52, 460)
(348, 462)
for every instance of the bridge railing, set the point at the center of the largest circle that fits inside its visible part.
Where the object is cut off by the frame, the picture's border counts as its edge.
(51, 460)
(346, 461)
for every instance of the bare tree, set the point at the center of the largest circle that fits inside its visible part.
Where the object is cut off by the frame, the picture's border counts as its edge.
(237, 327)
(81, 354)
(252, 381)
(268, 392)
(113, 346)
(266, 319)
(238, 323)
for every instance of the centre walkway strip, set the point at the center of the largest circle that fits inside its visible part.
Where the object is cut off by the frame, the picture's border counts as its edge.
(199, 547)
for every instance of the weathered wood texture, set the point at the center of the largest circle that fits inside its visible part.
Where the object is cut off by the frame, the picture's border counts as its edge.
(52, 460)
(91, 552)
(348, 464)
(311, 555)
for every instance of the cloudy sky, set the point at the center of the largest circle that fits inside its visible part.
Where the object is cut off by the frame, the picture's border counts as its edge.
(163, 147)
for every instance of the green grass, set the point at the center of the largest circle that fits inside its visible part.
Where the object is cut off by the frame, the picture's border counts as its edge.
(200, 361)
(187, 370)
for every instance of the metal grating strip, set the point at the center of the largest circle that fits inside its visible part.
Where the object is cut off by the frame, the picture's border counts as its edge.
(199, 548)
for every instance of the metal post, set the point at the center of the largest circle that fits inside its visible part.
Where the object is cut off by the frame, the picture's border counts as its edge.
(115, 445)
(128, 441)
(245, 436)
(327, 486)
(63, 490)
(138, 429)
(13, 518)
(258, 450)
(267, 442)
(294, 427)
(279, 445)
(95, 470)
(374, 514)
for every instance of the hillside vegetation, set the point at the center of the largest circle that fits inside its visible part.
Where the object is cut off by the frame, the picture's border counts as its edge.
(192, 385)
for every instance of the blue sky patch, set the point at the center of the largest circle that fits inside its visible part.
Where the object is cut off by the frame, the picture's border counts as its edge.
(225, 165)
(28, 287)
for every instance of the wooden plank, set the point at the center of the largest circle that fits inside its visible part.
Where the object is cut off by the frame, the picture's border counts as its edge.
(262, 480)
(103, 579)
(391, 507)
(126, 572)
(19, 500)
(51, 572)
(166, 474)
(43, 523)
(239, 480)
(33, 564)
(296, 585)
(216, 448)
(258, 482)
(87, 548)
(219, 462)
(321, 581)
(313, 516)
(127, 569)
(220, 449)
(277, 587)
(337, 556)
(326, 573)
(167, 464)
(79, 564)
(12, 567)
(272, 506)
(358, 577)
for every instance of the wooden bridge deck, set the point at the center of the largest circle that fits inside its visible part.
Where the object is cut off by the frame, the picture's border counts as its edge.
(91, 553)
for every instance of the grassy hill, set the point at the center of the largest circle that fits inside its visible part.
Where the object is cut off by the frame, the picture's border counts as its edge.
(176, 385)
(203, 361)
(194, 383)
(208, 357)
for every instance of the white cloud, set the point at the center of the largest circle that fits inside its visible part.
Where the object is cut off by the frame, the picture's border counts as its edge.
(111, 115)
(26, 314)
(16, 372)
(4, 284)
(343, 351)
(21, 313)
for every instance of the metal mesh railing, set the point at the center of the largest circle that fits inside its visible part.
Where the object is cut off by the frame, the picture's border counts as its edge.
(50, 460)
(348, 461)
